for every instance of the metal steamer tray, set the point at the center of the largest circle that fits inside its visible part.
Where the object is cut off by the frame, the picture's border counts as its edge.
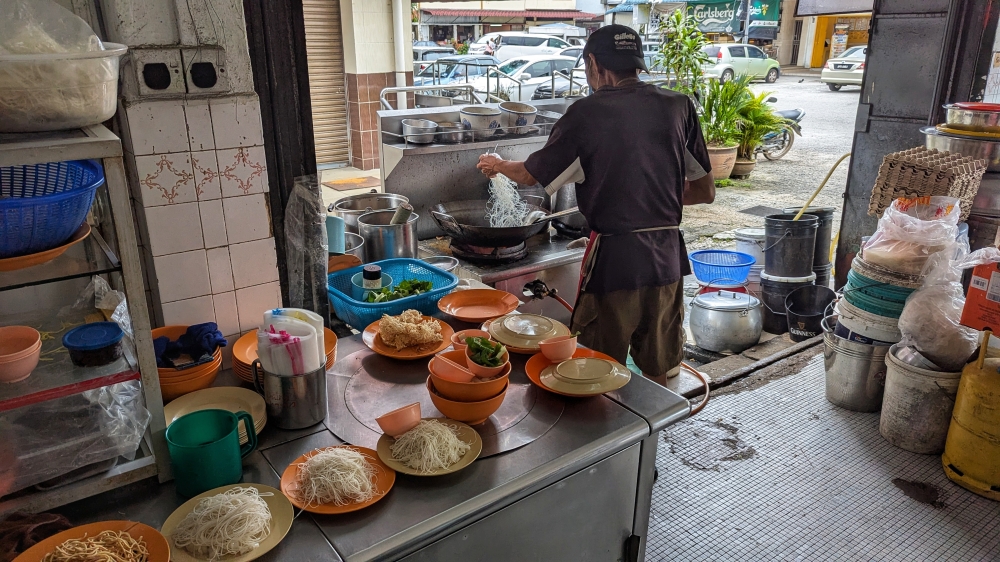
(365, 385)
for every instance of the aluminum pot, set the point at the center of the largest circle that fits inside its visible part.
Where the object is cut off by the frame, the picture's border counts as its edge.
(354, 245)
(419, 131)
(980, 149)
(351, 207)
(452, 133)
(383, 240)
(725, 321)
(855, 372)
(972, 119)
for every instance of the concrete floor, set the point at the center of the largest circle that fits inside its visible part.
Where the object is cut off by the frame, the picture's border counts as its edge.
(772, 471)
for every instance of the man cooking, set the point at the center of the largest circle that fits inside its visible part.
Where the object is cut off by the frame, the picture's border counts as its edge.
(637, 155)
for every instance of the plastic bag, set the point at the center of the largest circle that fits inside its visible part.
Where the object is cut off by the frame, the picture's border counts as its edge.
(306, 252)
(932, 315)
(52, 438)
(31, 27)
(911, 230)
(99, 299)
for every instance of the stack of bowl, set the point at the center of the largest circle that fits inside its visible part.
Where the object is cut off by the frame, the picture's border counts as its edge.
(873, 301)
(245, 353)
(972, 129)
(520, 333)
(464, 390)
(178, 382)
(20, 348)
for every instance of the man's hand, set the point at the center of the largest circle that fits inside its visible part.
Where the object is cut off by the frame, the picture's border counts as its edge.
(700, 191)
(488, 164)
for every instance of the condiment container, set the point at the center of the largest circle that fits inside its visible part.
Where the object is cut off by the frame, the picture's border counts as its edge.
(95, 344)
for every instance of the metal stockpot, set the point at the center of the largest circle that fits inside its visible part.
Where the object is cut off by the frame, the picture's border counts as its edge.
(726, 321)
(352, 207)
(384, 240)
(293, 402)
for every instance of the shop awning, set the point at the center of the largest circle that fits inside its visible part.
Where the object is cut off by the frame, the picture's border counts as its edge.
(543, 14)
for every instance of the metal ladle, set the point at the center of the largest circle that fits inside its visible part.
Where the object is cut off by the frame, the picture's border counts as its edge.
(535, 216)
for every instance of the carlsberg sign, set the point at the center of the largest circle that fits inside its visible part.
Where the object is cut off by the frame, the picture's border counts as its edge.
(717, 17)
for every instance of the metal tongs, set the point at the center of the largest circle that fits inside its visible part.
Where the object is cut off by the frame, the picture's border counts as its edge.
(536, 216)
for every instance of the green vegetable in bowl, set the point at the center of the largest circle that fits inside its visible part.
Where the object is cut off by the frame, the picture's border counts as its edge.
(484, 352)
(406, 288)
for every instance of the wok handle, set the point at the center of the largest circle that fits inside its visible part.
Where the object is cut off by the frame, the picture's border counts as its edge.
(446, 220)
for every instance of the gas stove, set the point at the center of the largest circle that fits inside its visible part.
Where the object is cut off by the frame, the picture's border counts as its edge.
(488, 255)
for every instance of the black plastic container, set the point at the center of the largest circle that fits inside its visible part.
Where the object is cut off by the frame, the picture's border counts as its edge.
(773, 291)
(823, 274)
(824, 234)
(789, 245)
(805, 308)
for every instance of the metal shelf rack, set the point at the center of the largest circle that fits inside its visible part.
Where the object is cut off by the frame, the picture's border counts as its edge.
(112, 250)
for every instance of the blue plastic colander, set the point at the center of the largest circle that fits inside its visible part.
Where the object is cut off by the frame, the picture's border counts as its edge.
(717, 265)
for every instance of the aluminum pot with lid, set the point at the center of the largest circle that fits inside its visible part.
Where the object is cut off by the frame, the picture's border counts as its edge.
(726, 321)
(351, 207)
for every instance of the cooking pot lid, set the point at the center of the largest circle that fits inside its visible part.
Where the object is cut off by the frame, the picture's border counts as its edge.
(725, 300)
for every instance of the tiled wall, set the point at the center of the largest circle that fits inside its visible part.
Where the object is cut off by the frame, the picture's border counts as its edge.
(200, 193)
(363, 104)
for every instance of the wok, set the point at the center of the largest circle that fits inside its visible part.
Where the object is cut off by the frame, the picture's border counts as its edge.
(466, 223)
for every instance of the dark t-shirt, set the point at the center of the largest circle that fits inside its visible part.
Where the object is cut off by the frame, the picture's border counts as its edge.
(628, 149)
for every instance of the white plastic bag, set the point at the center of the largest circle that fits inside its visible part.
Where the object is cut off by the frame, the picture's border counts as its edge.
(911, 230)
(33, 27)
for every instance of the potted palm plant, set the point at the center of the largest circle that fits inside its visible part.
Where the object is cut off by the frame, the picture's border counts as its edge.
(721, 117)
(757, 121)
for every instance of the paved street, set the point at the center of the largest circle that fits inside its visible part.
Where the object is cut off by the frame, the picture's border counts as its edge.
(827, 133)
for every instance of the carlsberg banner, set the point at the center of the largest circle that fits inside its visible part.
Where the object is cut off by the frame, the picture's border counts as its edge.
(728, 16)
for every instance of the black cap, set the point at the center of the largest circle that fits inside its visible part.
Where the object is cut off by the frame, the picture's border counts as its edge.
(616, 47)
(372, 273)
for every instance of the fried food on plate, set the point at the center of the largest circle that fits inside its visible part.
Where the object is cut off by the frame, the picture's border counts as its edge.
(408, 329)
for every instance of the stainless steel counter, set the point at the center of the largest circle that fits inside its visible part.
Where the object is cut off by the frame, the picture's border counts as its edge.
(575, 493)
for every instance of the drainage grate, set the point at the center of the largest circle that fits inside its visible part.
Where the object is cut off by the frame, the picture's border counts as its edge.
(779, 473)
(761, 211)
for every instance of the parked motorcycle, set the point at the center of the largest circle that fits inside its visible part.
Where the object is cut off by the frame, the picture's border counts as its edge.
(776, 145)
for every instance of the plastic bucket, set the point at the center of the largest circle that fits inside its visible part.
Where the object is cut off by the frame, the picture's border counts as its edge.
(823, 274)
(916, 406)
(805, 308)
(753, 280)
(751, 241)
(855, 373)
(789, 245)
(864, 327)
(824, 232)
(773, 291)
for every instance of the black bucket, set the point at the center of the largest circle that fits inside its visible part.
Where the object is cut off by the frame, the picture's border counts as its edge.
(772, 294)
(789, 245)
(823, 274)
(806, 307)
(824, 234)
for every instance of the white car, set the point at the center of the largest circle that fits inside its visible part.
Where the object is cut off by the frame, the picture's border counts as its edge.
(516, 44)
(846, 70)
(519, 76)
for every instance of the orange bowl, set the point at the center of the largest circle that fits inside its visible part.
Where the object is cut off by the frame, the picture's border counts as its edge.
(175, 390)
(558, 349)
(399, 421)
(20, 348)
(451, 365)
(487, 372)
(172, 376)
(475, 390)
(458, 340)
(472, 413)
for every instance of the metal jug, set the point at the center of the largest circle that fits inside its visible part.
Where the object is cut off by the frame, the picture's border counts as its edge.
(293, 402)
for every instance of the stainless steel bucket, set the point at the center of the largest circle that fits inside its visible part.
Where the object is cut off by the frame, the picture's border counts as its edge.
(383, 240)
(855, 373)
(293, 402)
(354, 245)
(351, 207)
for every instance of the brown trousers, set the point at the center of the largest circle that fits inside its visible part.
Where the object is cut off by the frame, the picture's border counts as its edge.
(650, 320)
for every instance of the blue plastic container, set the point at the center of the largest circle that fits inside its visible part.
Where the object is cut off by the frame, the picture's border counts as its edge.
(360, 314)
(42, 205)
(95, 344)
(717, 265)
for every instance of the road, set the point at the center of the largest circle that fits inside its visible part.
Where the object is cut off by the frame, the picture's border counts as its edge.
(827, 134)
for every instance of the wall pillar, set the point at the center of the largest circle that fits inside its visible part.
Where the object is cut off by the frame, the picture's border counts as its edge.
(786, 33)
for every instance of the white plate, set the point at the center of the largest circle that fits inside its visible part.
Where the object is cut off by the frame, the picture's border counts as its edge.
(585, 376)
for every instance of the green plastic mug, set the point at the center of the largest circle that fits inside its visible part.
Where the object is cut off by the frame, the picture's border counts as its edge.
(205, 449)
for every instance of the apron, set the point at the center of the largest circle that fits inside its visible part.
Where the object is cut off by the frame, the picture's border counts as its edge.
(590, 254)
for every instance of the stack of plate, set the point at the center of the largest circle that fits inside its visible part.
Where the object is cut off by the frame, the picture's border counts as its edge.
(230, 398)
(245, 353)
(522, 332)
(587, 373)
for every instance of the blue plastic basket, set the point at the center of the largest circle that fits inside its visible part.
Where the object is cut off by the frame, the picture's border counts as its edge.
(718, 265)
(360, 314)
(42, 205)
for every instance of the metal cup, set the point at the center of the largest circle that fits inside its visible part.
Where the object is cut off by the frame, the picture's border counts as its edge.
(293, 401)
(386, 241)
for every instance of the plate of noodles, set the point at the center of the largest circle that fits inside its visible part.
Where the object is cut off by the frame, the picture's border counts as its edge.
(409, 335)
(337, 479)
(126, 541)
(435, 447)
(234, 523)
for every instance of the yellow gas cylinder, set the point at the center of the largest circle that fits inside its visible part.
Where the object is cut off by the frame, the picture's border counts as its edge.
(972, 452)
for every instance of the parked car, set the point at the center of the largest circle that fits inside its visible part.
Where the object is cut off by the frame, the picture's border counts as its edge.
(572, 52)
(423, 56)
(456, 69)
(523, 75)
(516, 44)
(425, 44)
(730, 60)
(846, 70)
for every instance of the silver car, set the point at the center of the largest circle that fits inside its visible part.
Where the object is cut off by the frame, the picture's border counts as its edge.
(846, 70)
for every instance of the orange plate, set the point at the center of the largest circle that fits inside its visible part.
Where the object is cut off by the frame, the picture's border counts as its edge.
(21, 262)
(515, 350)
(967, 133)
(156, 543)
(374, 342)
(385, 477)
(245, 348)
(478, 305)
(538, 363)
